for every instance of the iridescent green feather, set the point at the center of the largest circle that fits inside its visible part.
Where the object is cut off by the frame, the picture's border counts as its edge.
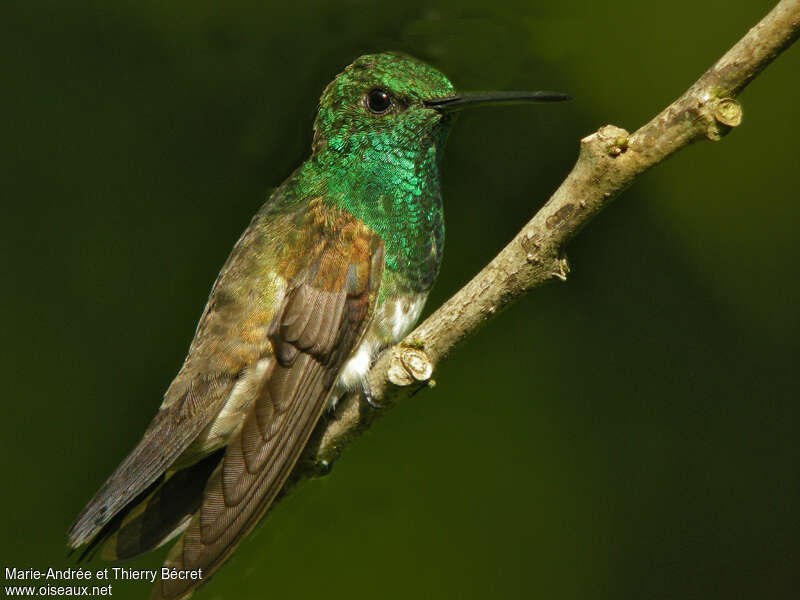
(383, 169)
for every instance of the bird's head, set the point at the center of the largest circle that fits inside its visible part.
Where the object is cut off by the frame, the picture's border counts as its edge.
(395, 102)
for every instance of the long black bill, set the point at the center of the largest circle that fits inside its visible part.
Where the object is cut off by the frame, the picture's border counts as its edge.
(459, 101)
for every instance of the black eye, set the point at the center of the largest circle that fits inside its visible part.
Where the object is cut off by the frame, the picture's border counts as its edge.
(379, 101)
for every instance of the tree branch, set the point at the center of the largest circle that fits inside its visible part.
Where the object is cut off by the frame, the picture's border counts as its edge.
(608, 162)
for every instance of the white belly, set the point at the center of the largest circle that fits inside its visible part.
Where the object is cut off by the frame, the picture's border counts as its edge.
(393, 320)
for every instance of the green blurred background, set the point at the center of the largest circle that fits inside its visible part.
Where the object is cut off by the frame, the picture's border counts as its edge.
(631, 433)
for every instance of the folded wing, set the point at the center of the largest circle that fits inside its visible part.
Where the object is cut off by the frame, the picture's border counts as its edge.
(328, 304)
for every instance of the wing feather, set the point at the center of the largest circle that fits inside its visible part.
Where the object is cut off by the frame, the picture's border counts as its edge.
(226, 344)
(324, 315)
(170, 432)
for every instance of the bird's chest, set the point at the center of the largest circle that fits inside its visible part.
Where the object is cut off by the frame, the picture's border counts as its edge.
(397, 194)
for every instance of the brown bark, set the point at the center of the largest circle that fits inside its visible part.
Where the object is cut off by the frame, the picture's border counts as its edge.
(608, 162)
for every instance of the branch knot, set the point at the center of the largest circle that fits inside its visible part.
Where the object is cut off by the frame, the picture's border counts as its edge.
(609, 140)
(409, 365)
(727, 115)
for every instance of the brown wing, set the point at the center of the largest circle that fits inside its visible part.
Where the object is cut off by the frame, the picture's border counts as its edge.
(171, 431)
(217, 358)
(323, 317)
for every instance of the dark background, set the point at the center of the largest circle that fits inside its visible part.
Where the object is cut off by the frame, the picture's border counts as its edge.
(631, 433)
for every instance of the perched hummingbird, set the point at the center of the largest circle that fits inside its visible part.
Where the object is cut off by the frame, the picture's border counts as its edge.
(334, 268)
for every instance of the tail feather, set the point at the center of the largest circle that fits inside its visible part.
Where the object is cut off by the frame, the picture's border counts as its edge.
(156, 515)
(114, 524)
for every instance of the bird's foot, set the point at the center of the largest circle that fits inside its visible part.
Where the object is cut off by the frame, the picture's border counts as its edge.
(368, 397)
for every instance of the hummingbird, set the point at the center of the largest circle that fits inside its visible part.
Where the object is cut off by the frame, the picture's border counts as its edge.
(334, 268)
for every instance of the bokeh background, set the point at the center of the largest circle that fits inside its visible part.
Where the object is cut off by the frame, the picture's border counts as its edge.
(631, 433)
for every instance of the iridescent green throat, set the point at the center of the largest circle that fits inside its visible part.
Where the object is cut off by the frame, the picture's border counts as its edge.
(382, 164)
(394, 189)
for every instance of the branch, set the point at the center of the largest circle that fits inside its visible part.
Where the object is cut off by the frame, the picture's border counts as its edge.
(608, 162)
